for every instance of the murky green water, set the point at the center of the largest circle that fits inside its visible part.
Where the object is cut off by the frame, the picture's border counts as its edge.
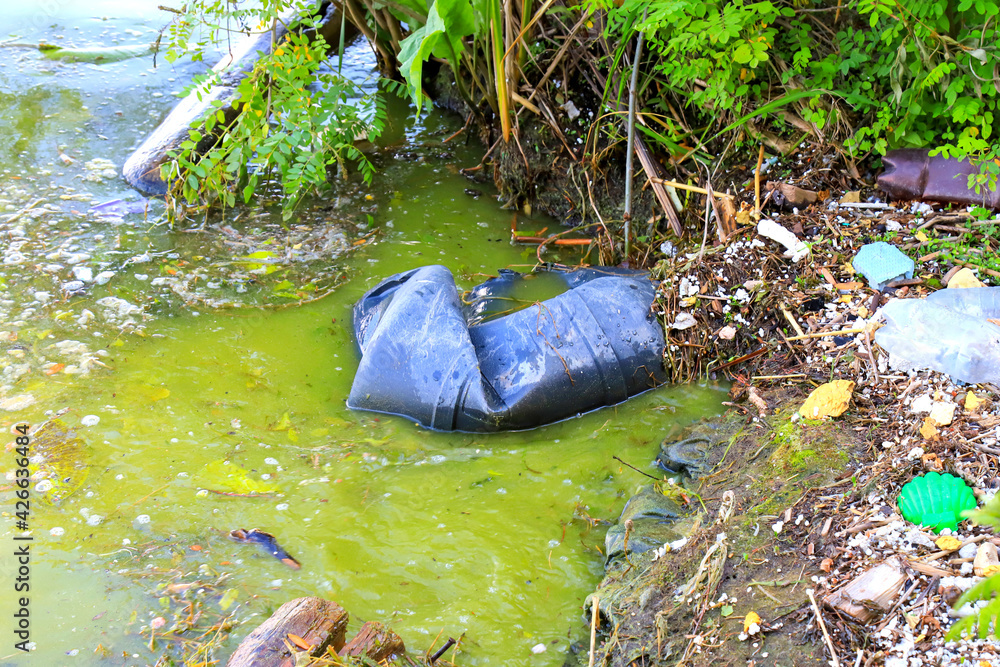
(490, 536)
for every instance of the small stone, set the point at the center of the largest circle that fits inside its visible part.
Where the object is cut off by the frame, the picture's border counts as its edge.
(986, 562)
(942, 413)
(90, 420)
(571, 111)
(727, 332)
(538, 648)
(965, 278)
(922, 403)
(684, 321)
(84, 273)
(968, 551)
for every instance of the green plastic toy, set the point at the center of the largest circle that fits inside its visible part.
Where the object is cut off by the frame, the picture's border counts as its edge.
(935, 501)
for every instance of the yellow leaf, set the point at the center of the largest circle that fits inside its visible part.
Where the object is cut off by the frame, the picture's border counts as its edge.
(750, 619)
(300, 642)
(920, 236)
(929, 430)
(972, 402)
(828, 400)
(228, 599)
(948, 543)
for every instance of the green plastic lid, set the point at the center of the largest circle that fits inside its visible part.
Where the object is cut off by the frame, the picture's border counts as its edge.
(935, 500)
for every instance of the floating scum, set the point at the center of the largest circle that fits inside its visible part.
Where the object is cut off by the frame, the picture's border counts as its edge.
(58, 461)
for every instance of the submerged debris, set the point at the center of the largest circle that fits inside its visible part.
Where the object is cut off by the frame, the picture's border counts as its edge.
(266, 541)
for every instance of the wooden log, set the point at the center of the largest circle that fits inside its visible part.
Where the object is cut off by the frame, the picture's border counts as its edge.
(375, 641)
(142, 169)
(314, 622)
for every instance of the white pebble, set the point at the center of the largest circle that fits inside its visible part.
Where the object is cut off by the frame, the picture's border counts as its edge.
(90, 420)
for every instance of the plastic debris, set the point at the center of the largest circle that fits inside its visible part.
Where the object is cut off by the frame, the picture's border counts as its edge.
(828, 400)
(881, 263)
(967, 349)
(936, 501)
(911, 173)
(794, 248)
(267, 542)
(449, 368)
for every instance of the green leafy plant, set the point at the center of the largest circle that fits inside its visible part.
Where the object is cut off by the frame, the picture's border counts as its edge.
(986, 619)
(296, 118)
(873, 75)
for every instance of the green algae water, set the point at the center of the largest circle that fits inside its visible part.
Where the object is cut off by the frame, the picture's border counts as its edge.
(185, 412)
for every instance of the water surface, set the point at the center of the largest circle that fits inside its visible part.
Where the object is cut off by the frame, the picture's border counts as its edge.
(198, 414)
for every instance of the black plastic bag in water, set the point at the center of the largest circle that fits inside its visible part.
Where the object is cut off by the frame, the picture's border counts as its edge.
(595, 344)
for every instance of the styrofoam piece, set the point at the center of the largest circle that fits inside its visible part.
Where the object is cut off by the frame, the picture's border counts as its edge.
(794, 248)
(881, 263)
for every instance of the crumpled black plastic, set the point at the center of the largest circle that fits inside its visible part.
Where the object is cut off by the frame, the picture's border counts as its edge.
(594, 345)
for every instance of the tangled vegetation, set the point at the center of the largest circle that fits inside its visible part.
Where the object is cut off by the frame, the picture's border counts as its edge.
(859, 78)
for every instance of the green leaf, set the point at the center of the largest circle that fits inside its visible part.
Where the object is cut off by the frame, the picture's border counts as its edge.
(743, 53)
(228, 599)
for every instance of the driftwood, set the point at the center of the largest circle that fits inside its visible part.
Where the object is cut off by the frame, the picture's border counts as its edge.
(142, 169)
(302, 622)
(375, 641)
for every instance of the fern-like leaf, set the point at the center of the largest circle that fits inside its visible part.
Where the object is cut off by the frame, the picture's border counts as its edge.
(986, 619)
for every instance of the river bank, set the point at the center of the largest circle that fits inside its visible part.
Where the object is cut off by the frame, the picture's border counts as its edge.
(790, 509)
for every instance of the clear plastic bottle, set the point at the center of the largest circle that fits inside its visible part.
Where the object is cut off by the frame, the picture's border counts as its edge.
(949, 331)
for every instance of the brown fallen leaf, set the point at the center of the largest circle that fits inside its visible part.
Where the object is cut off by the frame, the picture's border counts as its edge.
(786, 194)
(300, 642)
